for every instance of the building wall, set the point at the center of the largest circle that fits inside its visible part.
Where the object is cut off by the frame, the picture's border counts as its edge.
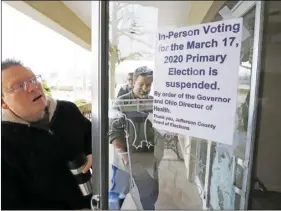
(198, 11)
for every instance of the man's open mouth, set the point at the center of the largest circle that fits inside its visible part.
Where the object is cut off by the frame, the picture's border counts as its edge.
(37, 98)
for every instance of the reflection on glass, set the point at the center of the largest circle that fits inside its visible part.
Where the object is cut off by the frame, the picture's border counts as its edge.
(155, 169)
(150, 167)
(202, 150)
(222, 192)
(266, 193)
(138, 153)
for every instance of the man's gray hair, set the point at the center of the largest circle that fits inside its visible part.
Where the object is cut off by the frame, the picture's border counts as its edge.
(143, 71)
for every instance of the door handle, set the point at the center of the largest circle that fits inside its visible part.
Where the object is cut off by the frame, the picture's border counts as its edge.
(95, 202)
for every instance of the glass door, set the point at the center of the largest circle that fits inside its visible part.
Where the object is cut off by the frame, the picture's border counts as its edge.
(137, 166)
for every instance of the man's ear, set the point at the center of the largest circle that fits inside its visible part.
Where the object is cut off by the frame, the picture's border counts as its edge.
(3, 104)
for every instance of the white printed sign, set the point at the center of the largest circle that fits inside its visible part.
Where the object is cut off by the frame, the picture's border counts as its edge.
(196, 80)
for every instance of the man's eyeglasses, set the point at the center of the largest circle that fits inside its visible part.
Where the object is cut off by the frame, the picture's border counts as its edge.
(23, 85)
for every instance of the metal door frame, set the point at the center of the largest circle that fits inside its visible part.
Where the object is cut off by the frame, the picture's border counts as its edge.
(100, 82)
(253, 102)
(197, 180)
(201, 186)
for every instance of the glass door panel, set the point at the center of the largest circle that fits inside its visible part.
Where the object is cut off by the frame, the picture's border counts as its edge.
(225, 157)
(157, 173)
(151, 168)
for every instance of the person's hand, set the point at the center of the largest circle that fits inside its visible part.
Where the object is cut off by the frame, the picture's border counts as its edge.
(88, 165)
(120, 148)
(125, 159)
(124, 155)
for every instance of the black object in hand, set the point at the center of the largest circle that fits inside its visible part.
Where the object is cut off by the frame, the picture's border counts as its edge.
(83, 179)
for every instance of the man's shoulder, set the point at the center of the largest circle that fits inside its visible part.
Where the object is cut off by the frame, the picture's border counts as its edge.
(66, 103)
(66, 106)
(11, 129)
(66, 110)
(13, 139)
(125, 97)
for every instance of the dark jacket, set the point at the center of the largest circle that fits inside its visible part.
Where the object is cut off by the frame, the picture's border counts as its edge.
(34, 172)
(123, 90)
(137, 111)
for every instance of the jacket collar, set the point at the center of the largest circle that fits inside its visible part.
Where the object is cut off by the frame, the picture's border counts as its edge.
(9, 116)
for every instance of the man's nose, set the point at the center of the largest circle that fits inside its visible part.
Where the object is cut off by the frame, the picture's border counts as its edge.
(30, 87)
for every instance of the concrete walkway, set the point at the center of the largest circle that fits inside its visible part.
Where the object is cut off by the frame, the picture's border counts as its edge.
(176, 192)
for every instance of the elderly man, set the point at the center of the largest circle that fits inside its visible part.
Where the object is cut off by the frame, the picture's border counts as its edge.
(39, 136)
(137, 154)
